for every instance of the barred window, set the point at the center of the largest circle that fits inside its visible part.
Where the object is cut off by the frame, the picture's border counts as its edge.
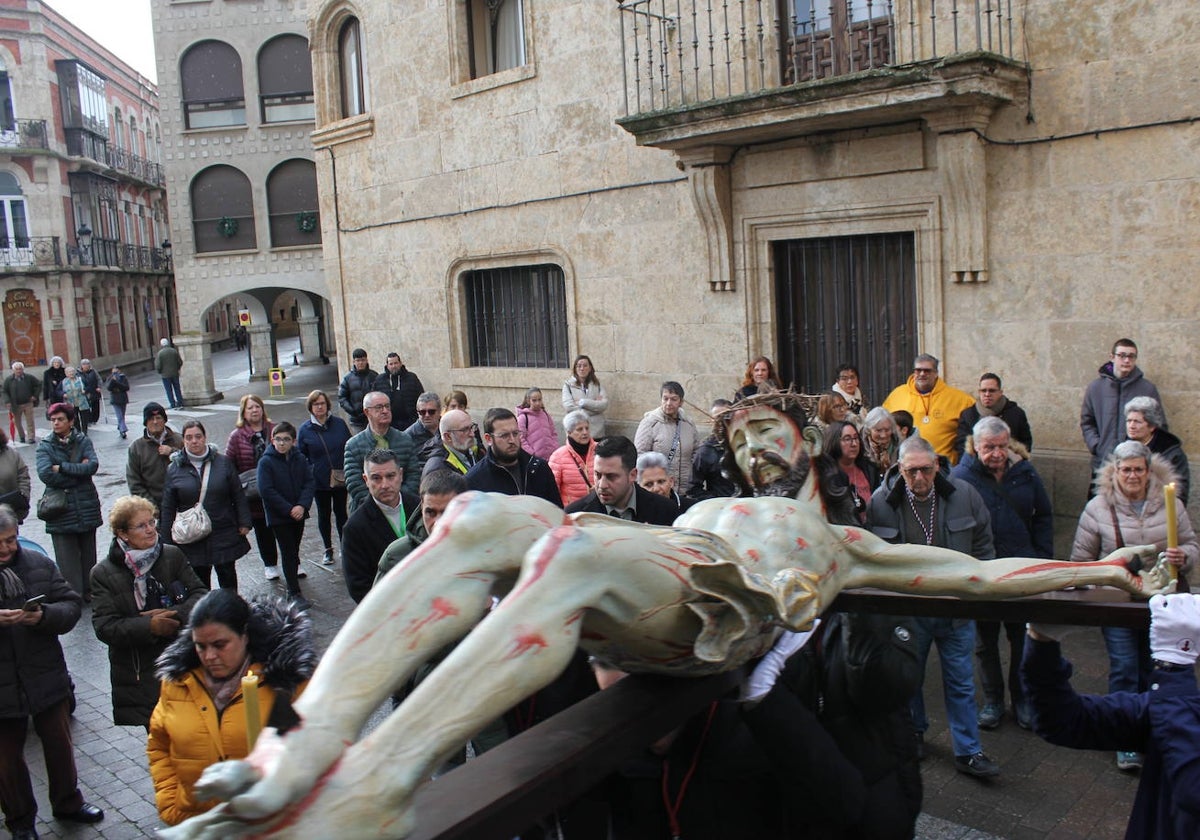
(516, 317)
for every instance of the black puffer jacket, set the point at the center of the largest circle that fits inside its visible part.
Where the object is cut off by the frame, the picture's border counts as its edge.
(132, 648)
(225, 502)
(33, 672)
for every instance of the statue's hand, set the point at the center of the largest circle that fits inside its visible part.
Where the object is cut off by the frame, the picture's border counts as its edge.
(226, 780)
(1157, 580)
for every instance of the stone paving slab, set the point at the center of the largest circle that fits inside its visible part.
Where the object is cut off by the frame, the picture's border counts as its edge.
(1043, 793)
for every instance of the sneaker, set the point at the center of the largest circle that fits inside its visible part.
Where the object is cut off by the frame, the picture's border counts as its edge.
(978, 765)
(1024, 713)
(328, 561)
(1129, 760)
(271, 572)
(300, 573)
(990, 715)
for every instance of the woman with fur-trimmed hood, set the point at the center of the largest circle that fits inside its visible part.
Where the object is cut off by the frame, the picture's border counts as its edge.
(1129, 509)
(200, 717)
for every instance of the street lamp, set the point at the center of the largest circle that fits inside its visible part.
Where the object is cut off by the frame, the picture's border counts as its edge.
(84, 237)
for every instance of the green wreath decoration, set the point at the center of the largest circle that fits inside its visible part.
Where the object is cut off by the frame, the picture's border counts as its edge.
(306, 221)
(227, 227)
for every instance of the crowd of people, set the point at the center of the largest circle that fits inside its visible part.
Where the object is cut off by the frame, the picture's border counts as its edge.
(932, 465)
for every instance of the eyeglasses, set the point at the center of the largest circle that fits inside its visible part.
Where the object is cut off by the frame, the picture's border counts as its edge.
(149, 525)
(463, 430)
(919, 371)
(283, 438)
(1125, 355)
(505, 435)
(378, 408)
(850, 439)
(1131, 470)
(428, 412)
(918, 470)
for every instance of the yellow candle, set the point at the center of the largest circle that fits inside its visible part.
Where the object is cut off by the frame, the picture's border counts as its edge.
(253, 712)
(1172, 524)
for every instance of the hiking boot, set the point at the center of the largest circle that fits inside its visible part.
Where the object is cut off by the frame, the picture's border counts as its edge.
(990, 715)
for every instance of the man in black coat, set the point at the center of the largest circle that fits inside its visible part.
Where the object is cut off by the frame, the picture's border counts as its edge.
(377, 524)
(402, 387)
(617, 492)
(993, 403)
(356, 384)
(36, 607)
(507, 468)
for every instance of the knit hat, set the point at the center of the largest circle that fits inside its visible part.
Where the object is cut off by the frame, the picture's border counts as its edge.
(358, 353)
(151, 409)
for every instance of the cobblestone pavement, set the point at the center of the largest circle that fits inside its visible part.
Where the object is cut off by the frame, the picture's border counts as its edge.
(1043, 791)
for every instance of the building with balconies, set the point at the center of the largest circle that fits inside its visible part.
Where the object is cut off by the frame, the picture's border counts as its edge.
(85, 265)
(676, 186)
(237, 97)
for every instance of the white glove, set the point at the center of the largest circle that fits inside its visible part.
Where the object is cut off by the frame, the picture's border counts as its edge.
(1175, 628)
(762, 679)
(1054, 632)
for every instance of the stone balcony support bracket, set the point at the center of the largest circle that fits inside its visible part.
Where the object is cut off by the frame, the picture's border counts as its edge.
(962, 161)
(707, 170)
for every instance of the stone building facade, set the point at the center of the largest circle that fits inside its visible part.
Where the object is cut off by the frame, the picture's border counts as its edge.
(673, 192)
(236, 86)
(83, 268)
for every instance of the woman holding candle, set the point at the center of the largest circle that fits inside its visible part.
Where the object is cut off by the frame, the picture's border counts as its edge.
(1130, 508)
(201, 716)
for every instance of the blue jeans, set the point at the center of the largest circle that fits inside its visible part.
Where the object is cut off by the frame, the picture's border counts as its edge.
(119, 410)
(174, 393)
(955, 642)
(1129, 664)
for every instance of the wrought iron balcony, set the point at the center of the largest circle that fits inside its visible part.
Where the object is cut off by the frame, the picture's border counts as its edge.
(136, 166)
(24, 134)
(30, 252)
(109, 253)
(718, 60)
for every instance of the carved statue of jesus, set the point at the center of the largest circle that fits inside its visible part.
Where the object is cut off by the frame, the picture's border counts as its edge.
(706, 595)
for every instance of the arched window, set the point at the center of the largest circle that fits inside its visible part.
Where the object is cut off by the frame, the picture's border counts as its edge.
(14, 226)
(222, 210)
(213, 96)
(285, 81)
(134, 146)
(118, 130)
(292, 204)
(352, 68)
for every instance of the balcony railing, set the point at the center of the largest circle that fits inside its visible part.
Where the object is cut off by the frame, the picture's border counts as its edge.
(30, 252)
(24, 134)
(136, 166)
(109, 253)
(678, 53)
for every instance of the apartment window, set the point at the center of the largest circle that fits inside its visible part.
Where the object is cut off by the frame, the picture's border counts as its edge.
(292, 204)
(14, 224)
(516, 317)
(352, 69)
(222, 210)
(496, 34)
(285, 80)
(213, 96)
(8, 111)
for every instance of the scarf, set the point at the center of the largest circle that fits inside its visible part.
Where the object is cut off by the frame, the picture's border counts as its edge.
(223, 691)
(1001, 404)
(581, 449)
(12, 588)
(140, 561)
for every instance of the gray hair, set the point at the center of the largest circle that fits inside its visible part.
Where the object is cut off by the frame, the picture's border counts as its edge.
(58, 359)
(651, 460)
(8, 519)
(1149, 408)
(990, 427)
(370, 394)
(876, 416)
(926, 357)
(1130, 449)
(429, 397)
(917, 446)
(574, 418)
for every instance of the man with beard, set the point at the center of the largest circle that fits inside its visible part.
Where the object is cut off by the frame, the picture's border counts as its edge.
(507, 468)
(706, 596)
(617, 491)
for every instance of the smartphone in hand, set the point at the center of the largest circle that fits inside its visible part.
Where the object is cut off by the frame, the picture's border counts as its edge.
(33, 603)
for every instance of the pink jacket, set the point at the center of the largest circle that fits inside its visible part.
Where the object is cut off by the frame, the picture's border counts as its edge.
(539, 435)
(566, 466)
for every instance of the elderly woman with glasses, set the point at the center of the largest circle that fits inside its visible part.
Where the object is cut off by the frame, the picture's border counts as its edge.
(1144, 423)
(143, 592)
(1129, 509)
(846, 470)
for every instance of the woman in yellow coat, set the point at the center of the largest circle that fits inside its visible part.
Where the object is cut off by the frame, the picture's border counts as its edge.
(200, 718)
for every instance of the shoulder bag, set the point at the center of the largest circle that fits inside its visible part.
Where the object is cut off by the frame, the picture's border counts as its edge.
(337, 478)
(54, 503)
(194, 523)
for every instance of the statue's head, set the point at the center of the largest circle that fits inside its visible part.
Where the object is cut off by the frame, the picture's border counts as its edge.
(765, 451)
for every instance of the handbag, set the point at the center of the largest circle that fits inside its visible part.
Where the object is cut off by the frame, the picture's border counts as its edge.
(337, 478)
(52, 505)
(249, 482)
(194, 523)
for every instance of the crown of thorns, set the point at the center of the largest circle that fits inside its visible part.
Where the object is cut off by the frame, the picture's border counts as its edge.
(786, 401)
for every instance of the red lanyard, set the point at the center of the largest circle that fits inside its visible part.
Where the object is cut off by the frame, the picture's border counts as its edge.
(673, 808)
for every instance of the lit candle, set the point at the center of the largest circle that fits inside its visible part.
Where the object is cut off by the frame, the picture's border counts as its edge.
(1172, 525)
(253, 712)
